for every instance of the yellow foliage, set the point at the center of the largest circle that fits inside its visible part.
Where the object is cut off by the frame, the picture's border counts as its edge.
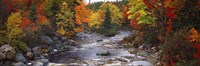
(96, 19)
(116, 14)
(78, 30)
(13, 22)
(61, 31)
(65, 19)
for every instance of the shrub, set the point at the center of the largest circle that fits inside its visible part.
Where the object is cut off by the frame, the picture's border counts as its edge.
(189, 63)
(2, 41)
(19, 45)
(176, 48)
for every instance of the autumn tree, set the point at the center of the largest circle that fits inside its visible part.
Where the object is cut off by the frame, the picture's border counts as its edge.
(138, 13)
(96, 19)
(65, 19)
(13, 30)
(82, 14)
(106, 19)
(115, 13)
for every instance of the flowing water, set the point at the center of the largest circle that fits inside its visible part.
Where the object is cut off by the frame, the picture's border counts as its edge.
(92, 45)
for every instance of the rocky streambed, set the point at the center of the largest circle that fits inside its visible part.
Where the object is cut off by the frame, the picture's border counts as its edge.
(94, 49)
(87, 49)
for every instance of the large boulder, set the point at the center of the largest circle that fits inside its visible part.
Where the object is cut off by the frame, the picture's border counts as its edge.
(7, 51)
(20, 57)
(46, 39)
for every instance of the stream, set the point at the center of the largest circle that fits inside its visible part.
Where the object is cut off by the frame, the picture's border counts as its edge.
(97, 50)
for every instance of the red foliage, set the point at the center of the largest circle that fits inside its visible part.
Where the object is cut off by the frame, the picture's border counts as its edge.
(171, 63)
(169, 26)
(170, 12)
(154, 1)
(40, 9)
(148, 4)
(197, 54)
(133, 23)
(124, 11)
(7, 6)
(25, 22)
(29, 1)
(170, 15)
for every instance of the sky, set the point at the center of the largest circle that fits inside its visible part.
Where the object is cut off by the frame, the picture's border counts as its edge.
(99, 0)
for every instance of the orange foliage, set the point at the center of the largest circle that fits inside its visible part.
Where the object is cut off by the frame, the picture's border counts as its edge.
(78, 21)
(82, 14)
(194, 37)
(34, 28)
(42, 20)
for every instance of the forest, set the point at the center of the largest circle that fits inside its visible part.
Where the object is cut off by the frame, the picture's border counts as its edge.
(104, 33)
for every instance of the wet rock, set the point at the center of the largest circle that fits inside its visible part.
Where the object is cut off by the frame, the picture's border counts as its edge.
(44, 61)
(99, 40)
(103, 53)
(36, 51)
(133, 51)
(71, 42)
(63, 38)
(58, 46)
(20, 57)
(143, 53)
(8, 50)
(46, 39)
(19, 64)
(58, 42)
(28, 49)
(29, 55)
(158, 64)
(55, 38)
(2, 55)
(6, 63)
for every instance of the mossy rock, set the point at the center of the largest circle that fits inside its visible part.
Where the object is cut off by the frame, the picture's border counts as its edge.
(103, 53)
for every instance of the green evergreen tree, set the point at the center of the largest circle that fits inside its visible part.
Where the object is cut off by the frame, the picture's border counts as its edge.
(108, 28)
(33, 13)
